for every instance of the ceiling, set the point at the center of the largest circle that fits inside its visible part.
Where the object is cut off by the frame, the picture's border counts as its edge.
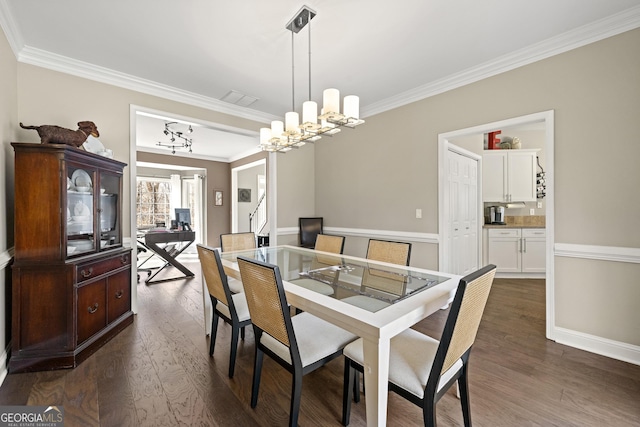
(388, 53)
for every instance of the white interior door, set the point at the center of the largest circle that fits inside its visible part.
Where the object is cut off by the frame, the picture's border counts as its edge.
(463, 211)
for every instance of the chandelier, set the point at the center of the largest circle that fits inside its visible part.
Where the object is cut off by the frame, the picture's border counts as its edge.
(178, 140)
(283, 136)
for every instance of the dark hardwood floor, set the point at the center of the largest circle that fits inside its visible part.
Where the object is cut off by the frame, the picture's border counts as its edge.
(158, 372)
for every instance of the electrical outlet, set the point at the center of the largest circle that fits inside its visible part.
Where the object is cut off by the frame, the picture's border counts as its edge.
(539, 205)
(418, 213)
(532, 211)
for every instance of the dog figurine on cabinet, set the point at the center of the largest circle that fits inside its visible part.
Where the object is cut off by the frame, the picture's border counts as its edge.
(51, 134)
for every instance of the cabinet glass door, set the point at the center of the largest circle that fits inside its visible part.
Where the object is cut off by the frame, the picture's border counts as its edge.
(108, 210)
(80, 208)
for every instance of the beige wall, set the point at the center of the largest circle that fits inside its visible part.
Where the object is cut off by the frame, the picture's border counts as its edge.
(296, 183)
(49, 97)
(376, 176)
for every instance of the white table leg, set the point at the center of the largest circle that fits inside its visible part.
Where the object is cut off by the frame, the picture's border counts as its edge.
(376, 376)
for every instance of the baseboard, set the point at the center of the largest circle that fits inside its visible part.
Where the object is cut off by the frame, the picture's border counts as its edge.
(602, 346)
(520, 275)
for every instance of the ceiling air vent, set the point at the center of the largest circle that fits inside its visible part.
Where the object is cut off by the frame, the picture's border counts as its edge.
(237, 98)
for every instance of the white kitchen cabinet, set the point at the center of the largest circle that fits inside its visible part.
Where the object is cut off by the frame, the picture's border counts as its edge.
(504, 249)
(534, 242)
(517, 250)
(509, 175)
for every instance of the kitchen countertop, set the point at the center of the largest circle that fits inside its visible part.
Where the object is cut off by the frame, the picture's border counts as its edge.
(531, 221)
(512, 226)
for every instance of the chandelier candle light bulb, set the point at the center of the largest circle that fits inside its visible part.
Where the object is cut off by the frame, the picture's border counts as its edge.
(292, 122)
(331, 102)
(277, 129)
(351, 108)
(310, 115)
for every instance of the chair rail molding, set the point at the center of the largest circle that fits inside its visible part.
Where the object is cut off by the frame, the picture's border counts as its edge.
(595, 252)
(406, 236)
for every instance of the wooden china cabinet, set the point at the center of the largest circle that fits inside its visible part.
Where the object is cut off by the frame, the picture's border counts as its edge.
(71, 288)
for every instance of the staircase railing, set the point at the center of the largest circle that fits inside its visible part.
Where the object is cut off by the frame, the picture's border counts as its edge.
(258, 218)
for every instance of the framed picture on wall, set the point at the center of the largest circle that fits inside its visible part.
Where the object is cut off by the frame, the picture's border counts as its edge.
(217, 197)
(244, 195)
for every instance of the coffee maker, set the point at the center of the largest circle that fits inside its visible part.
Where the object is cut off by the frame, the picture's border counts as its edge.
(496, 215)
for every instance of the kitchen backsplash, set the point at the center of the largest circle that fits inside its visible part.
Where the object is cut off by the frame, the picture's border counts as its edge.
(527, 220)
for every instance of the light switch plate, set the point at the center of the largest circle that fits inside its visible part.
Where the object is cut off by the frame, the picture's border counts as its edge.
(532, 211)
(418, 213)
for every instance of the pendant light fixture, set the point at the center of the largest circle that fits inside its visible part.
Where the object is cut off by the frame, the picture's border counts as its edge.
(283, 136)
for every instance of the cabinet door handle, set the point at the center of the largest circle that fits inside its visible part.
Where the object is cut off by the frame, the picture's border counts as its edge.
(86, 273)
(93, 309)
(124, 259)
(119, 294)
(524, 245)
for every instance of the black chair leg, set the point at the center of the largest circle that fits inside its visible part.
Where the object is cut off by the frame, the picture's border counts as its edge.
(429, 412)
(296, 393)
(234, 349)
(356, 385)
(257, 370)
(214, 332)
(463, 386)
(349, 375)
(242, 333)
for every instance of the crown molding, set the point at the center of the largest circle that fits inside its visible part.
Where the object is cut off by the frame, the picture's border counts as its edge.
(63, 64)
(581, 36)
(10, 28)
(599, 30)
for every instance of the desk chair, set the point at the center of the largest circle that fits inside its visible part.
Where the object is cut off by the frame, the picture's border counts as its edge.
(300, 344)
(421, 369)
(231, 307)
(309, 228)
(237, 242)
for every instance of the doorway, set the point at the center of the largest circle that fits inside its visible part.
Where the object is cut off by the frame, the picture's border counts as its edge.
(249, 198)
(445, 145)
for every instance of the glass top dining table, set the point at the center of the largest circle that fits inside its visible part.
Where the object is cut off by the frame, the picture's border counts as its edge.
(402, 297)
(346, 276)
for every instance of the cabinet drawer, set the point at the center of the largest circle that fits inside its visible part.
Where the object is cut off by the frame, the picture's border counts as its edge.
(504, 232)
(534, 232)
(118, 294)
(92, 309)
(97, 268)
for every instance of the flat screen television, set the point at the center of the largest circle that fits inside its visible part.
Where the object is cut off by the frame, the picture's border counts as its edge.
(183, 216)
